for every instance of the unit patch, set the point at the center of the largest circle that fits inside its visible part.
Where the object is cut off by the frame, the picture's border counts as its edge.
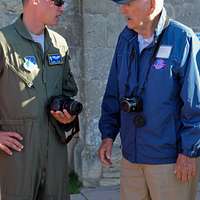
(30, 63)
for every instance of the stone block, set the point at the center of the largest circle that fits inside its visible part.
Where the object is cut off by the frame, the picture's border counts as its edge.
(99, 7)
(94, 31)
(91, 167)
(115, 24)
(109, 181)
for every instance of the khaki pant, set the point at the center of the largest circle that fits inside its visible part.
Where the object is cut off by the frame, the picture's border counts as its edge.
(153, 182)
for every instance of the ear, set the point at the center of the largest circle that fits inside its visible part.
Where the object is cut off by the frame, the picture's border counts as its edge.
(152, 6)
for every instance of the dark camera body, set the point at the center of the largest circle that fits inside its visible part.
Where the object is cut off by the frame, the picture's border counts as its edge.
(133, 104)
(58, 103)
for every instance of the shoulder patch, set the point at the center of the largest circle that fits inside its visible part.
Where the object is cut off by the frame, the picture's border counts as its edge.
(30, 63)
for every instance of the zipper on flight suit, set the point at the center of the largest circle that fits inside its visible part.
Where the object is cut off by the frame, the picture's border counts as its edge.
(40, 54)
(42, 57)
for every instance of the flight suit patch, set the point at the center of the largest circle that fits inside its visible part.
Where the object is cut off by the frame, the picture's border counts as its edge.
(55, 59)
(30, 63)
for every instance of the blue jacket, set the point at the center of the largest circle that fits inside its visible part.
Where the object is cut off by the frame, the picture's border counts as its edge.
(171, 97)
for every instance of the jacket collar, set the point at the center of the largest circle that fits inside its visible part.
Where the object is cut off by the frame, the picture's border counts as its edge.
(162, 23)
(129, 34)
(21, 29)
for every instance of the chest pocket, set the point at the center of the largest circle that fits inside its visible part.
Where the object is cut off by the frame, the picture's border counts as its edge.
(163, 80)
(55, 72)
(162, 70)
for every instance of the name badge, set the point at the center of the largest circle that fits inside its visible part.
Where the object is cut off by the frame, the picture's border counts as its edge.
(55, 59)
(30, 63)
(164, 52)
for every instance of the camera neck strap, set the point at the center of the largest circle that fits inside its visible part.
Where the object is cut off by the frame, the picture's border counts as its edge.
(140, 88)
(74, 130)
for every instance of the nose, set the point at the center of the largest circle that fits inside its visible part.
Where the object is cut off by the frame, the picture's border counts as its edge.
(123, 8)
(61, 8)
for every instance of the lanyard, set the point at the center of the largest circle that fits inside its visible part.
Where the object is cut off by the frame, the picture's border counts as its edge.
(140, 88)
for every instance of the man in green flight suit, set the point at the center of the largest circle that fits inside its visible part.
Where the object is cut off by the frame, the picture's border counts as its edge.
(34, 66)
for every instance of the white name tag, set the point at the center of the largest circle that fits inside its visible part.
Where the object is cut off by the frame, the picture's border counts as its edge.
(164, 52)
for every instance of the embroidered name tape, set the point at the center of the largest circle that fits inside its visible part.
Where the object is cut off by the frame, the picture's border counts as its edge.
(55, 59)
(164, 52)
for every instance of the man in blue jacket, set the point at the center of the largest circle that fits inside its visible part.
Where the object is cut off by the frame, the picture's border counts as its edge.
(153, 99)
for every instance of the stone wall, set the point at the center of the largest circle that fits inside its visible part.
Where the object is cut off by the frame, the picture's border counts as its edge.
(91, 28)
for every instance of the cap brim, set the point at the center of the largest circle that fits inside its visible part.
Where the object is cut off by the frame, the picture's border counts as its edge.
(121, 1)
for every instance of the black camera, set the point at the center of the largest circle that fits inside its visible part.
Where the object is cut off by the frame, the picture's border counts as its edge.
(58, 103)
(133, 104)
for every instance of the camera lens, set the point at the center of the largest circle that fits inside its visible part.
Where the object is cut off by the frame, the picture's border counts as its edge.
(75, 108)
(72, 106)
(58, 103)
(125, 106)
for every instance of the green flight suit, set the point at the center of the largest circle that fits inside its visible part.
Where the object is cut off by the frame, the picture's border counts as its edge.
(39, 171)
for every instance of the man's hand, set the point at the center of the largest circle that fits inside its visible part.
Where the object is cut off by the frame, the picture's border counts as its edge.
(105, 151)
(10, 141)
(63, 117)
(185, 168)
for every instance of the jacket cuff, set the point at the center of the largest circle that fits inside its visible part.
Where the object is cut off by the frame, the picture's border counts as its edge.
(111, 136)
(191, 153)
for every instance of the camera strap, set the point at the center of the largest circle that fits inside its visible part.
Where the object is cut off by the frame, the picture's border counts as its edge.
(138, 89)
(65, 132)
(132, 56)
(155, 51)
(74, 130)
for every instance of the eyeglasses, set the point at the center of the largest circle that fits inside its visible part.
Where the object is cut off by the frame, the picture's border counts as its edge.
(58, 3)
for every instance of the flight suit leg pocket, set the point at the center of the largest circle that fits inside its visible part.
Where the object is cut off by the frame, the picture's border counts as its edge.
(15, 170)
(14, 197)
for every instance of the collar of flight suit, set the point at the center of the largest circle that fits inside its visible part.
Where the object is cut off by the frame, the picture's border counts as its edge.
(22, 30)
